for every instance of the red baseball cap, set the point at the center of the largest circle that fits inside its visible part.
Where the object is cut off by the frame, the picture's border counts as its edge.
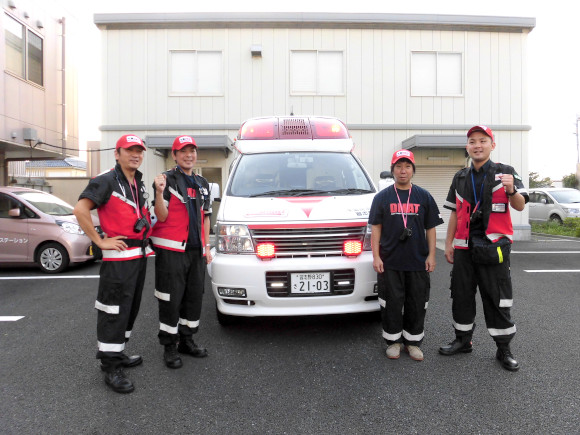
(482, 128)
(129, 140)
(403, 154)
(182, 141)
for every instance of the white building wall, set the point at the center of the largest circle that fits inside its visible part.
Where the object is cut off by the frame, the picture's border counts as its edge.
(377, 87)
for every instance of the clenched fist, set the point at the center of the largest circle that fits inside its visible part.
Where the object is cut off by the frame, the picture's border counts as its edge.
(160, 183)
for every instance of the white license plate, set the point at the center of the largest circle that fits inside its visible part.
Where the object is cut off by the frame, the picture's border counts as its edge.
(313, 282)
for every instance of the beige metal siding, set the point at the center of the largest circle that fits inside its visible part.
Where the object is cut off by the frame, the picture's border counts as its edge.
(29, 105)
(377, 86)
(437, 179)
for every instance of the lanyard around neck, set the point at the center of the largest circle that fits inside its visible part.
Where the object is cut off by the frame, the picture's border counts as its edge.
(135, 200)
(477, 201)
(403, 213)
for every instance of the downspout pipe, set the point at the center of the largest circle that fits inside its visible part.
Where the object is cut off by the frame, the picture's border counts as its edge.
(63, 72)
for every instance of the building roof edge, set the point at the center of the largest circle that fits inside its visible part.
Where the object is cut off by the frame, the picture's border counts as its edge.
(313, 19)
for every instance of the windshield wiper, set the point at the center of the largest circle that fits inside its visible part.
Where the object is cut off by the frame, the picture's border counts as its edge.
(289, 192)
(350, 190)
(310, 192)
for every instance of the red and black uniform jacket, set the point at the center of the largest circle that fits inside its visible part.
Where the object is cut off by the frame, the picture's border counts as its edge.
(118, 212)
(174, 232)
(497, 220)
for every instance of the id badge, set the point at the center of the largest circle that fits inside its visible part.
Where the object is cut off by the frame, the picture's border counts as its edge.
(500, 207)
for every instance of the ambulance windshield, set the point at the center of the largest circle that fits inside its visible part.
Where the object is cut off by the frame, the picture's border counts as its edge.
(299, 174)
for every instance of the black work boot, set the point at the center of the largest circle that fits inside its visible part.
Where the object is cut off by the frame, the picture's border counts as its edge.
(187, 346)
(127, 362)
(171, 358)
(508, 362)
(460, 344)
(118, 382)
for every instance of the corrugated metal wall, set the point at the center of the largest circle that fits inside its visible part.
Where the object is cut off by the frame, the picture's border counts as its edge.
(377, 78)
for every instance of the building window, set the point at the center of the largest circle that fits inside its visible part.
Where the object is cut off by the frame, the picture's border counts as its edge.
(24, 51)
(317, 73)
(34, 57)
(436, 74)
(195, 73)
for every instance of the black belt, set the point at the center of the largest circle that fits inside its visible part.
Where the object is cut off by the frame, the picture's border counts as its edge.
(137, 243)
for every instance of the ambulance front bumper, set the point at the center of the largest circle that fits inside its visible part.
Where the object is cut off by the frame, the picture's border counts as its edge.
(244, 285)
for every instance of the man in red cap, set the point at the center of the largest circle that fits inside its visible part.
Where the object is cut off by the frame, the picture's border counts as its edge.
(181, 240)
(403, 218)
(478, 243)
(121, 201)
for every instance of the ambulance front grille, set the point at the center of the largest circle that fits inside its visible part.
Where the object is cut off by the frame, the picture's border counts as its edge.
(308, 242)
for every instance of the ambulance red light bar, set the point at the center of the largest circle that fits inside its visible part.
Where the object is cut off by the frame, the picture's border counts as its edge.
(293, 128)
(266, 251)
(328, 128)
(352, 248)
(261, 128)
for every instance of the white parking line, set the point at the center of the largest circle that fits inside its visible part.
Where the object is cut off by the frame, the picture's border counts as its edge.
(49, 277)
(556, 240)
(10, 318)
(545, 252)
(553, 271)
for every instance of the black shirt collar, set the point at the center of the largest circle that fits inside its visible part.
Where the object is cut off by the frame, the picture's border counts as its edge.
(483, 169)
(121, 174)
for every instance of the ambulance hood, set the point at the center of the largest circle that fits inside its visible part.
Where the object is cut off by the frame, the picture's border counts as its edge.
(292, 209)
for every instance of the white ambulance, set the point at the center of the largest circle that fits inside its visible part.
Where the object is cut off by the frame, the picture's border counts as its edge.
(291, 233)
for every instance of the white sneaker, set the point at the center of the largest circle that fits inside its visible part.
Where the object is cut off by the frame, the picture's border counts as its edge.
(414, 352)
(394, 351)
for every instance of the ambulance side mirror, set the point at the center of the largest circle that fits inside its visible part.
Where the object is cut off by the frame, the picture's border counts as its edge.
(214, 192)
(386, 179)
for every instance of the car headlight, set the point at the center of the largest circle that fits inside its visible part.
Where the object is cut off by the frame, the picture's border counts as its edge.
(71, 228)
(234, 239)
(571, 210)
(367, 239)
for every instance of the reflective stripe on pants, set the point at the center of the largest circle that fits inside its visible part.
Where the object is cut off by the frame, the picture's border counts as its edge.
(495, 287)
(181, 275)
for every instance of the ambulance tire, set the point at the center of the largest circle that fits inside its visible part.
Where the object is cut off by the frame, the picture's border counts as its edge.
(52, 258)
(224, 319)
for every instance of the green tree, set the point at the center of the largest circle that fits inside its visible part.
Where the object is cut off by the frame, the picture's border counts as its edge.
(536, 181)
(570, 180)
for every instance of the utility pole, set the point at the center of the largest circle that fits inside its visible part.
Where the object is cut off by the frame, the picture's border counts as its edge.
(578, 150)
(577, 141)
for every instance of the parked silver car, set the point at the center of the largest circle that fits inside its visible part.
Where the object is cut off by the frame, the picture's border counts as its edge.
(37, 227)
(553, 204)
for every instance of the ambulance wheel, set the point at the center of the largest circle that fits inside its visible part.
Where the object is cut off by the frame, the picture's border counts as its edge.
(224, 319)
(52, 258)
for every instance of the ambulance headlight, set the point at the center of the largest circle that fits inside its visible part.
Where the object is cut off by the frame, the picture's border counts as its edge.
(234, 239)
(367, 239)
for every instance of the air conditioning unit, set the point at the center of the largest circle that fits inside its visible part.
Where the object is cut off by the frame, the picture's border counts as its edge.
(29, 134)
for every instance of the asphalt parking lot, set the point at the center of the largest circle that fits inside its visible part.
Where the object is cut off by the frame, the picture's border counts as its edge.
(322, 375)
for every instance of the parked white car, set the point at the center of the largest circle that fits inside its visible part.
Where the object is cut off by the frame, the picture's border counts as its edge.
(553, 204)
